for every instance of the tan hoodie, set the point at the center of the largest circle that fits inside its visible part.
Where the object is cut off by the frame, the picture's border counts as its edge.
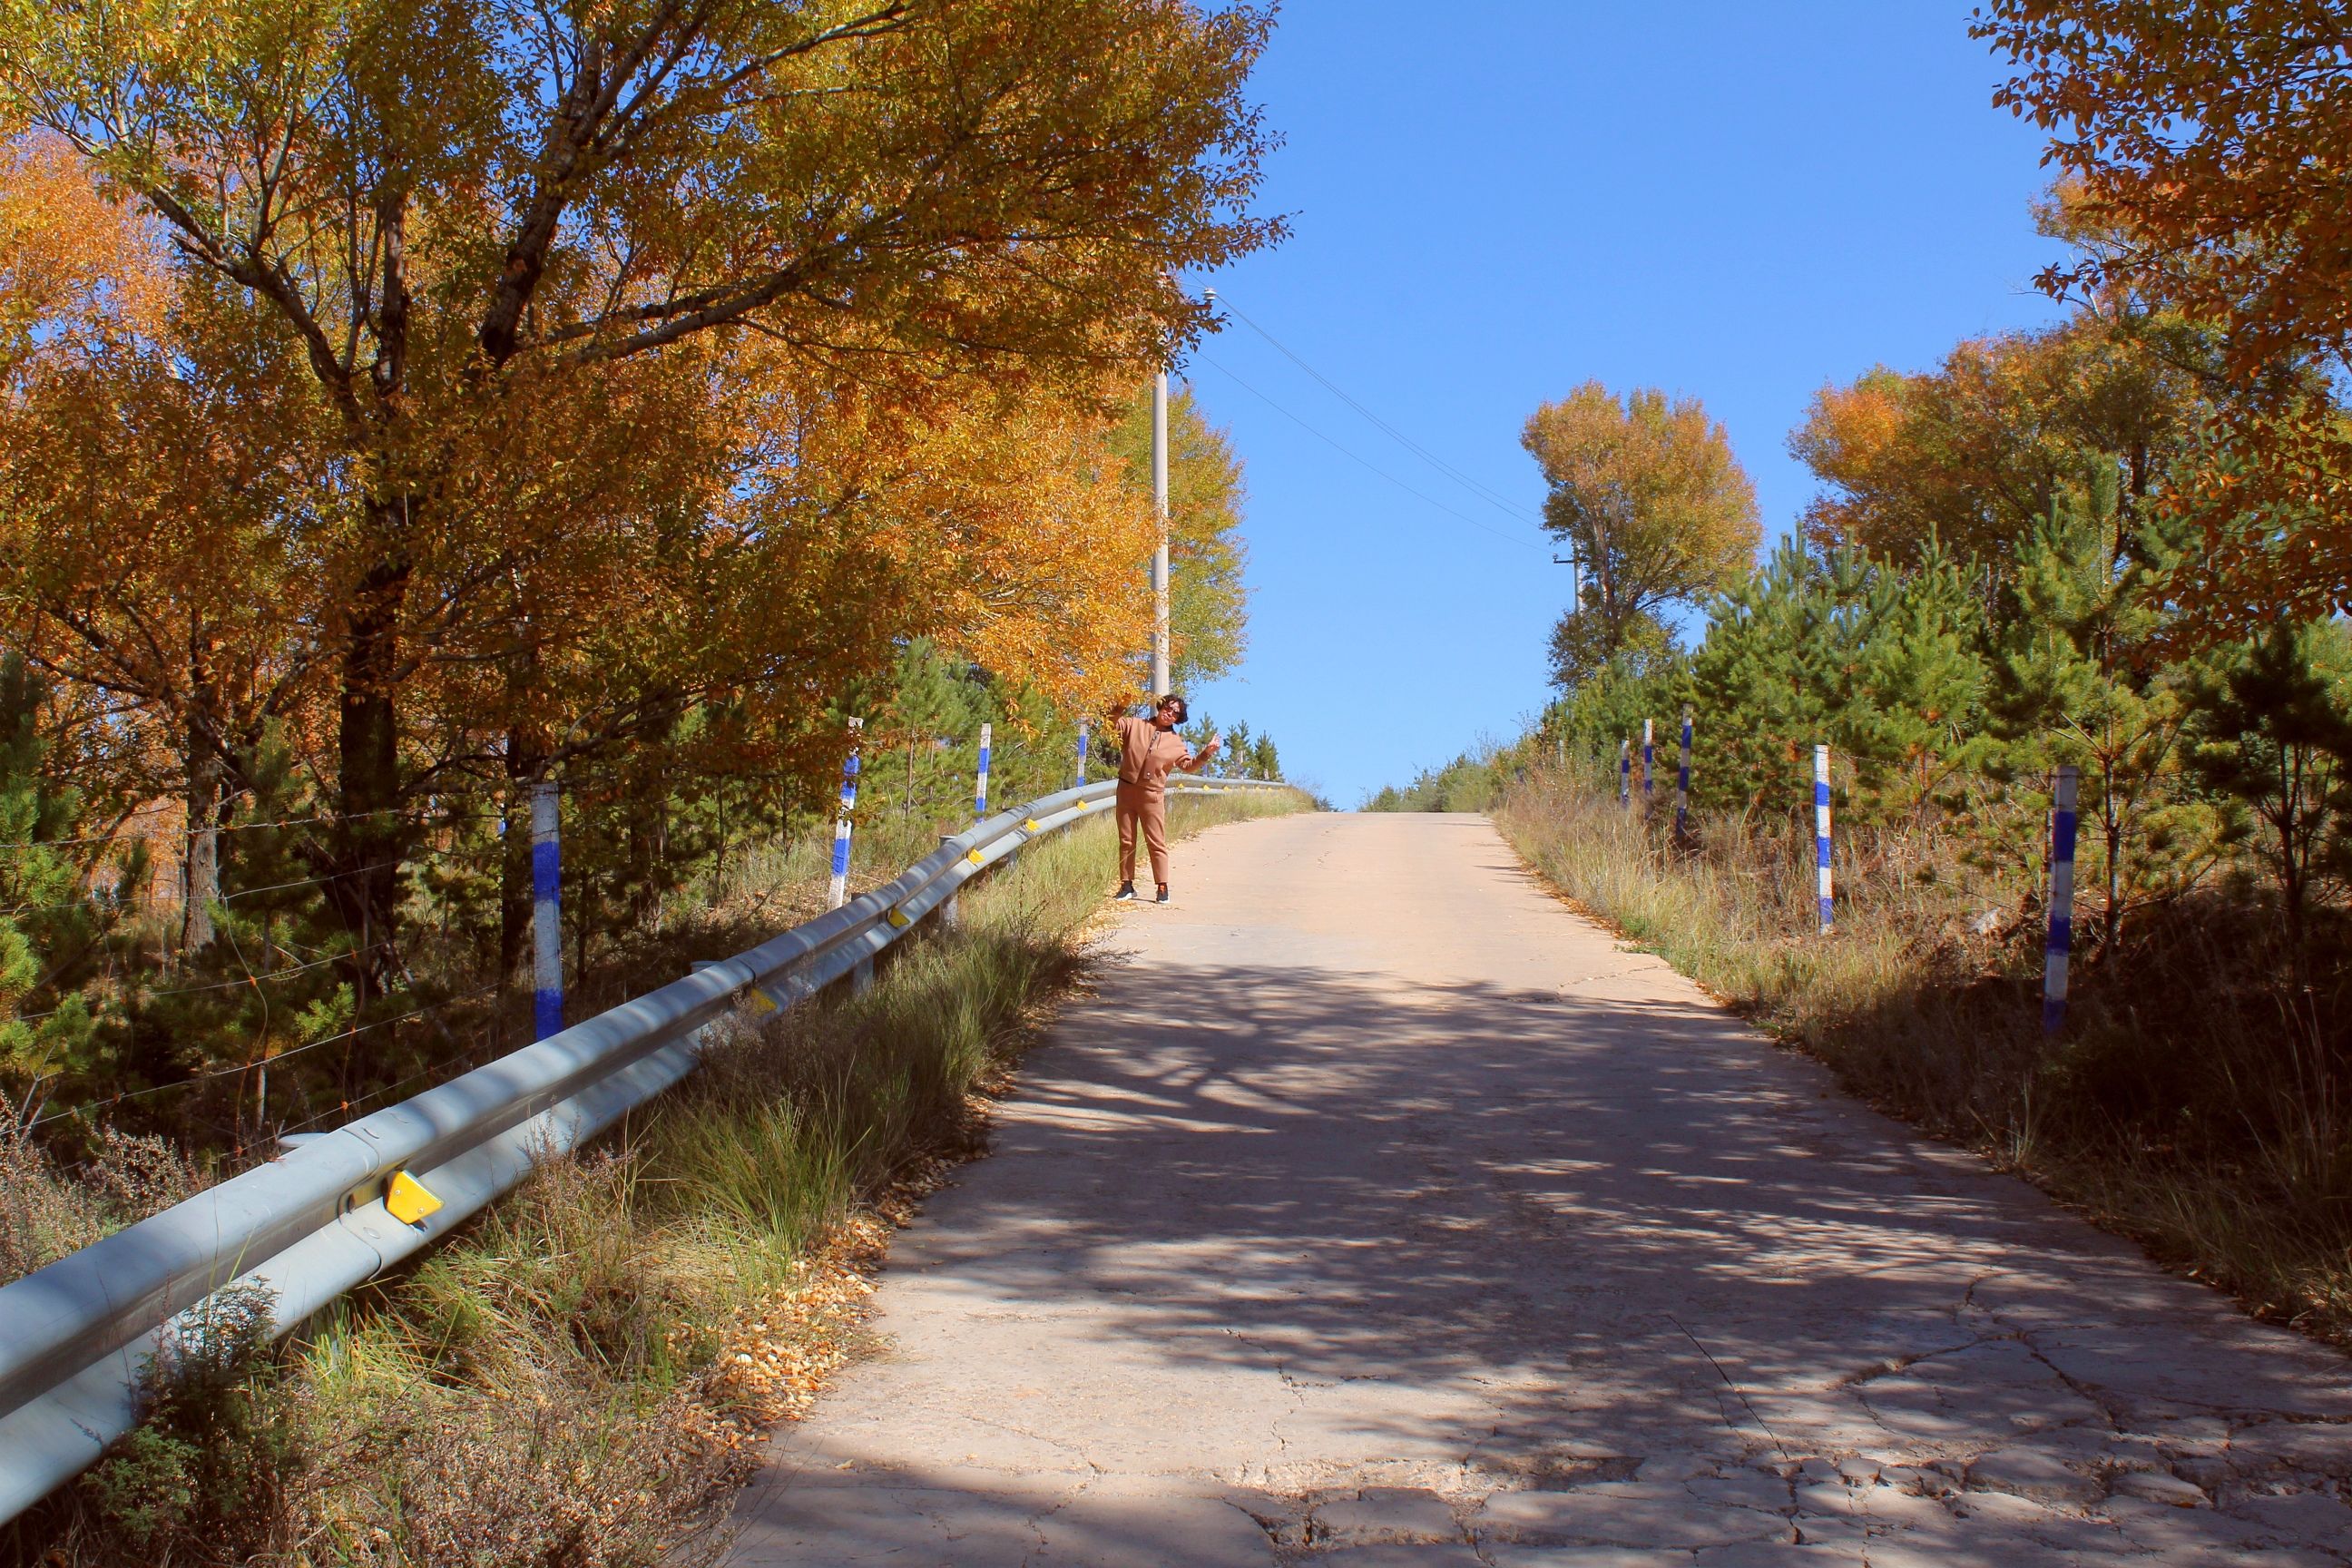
(1147, 754)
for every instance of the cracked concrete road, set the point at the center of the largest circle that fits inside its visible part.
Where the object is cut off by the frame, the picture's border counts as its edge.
(1381, 1210)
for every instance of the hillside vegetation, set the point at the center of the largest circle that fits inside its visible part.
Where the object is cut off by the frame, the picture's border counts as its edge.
(577, 1376)
(2113, 550)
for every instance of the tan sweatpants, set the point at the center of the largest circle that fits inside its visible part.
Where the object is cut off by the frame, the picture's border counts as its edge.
(1148, 808)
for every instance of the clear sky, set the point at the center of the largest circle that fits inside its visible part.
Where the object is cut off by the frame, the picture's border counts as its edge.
(1495, 200)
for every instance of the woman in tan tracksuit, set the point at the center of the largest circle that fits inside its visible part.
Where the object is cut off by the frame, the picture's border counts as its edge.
(1149, 750)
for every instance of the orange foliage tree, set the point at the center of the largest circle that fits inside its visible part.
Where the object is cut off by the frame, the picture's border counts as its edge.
(2213, 142)
(510, 247)
(1646, 490)
(1971, 454)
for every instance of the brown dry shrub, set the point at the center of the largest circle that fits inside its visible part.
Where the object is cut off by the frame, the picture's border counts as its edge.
(464, 1480)
(44, 1214)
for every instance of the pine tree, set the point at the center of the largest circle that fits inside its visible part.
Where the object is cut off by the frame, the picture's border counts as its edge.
(2085, 682)
(1913, 718)
(1775, 673)
(274, 980)
(58, 937)
(2272, 730)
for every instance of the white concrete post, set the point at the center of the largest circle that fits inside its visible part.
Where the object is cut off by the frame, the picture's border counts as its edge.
(546, 911)
(1821, 830)
(838, 893)
(1159, 635)
(1682, 781)
(980, 796)
(2057, 952)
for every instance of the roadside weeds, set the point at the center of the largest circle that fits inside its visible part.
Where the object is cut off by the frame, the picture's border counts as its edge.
(583, 1375)
(2186, 1105)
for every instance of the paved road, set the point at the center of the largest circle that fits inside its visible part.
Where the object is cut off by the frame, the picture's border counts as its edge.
(1381, 1211)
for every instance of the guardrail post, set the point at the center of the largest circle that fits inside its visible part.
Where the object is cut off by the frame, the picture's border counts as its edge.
(1649, 761)
(1081, 751)
(838, 893)
(71, 1334)
(1821, 831)
(1626, 773)
(1682, 781)
(2057, 952)
(951, 912)
(546, 911)
(980, 796)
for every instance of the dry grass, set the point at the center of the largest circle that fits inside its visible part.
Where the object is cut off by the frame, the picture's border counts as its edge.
(47, 1212)
(2197, 1099)
(579, 1377)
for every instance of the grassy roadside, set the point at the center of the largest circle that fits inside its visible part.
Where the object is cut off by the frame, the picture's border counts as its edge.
(577, 1378)
(2180, 1107)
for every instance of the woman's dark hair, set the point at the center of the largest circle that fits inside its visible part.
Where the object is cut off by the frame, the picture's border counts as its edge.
(1182, 712)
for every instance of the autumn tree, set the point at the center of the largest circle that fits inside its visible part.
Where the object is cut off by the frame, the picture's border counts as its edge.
(2212, 144)
(1973, 452)
(1208, 610)
(153, 512)
(1646, 491)
(454, 215)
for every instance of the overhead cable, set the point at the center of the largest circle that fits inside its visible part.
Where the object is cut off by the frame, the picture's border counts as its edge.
(1508, 508)
(1364, 462)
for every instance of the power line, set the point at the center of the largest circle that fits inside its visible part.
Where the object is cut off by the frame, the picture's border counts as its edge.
(1365, 462)
(250, 979)
(430, 820)
(1508, 508)
(206, 1077)
(100, 898)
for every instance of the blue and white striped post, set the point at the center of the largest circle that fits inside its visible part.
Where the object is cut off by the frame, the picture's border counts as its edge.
(1821, 830)
(1082, 751)
(1649, 764)
(1626, 773)
(980, 796)
(546, 912)
(838, 893)
(1682, 781)
(2058, 951)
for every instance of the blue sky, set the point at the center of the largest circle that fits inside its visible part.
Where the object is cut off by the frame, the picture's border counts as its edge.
(1494, 202)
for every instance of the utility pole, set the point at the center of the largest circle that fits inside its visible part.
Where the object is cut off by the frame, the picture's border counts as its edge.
(1159, 555)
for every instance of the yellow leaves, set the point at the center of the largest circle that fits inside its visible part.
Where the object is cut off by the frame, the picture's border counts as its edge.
(791, 350)
(70, 261)
(1971, 452)
(1648, 490)
(1011, 536)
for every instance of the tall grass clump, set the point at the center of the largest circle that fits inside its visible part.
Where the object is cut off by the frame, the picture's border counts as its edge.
(576, 1377)
(2197, 1099)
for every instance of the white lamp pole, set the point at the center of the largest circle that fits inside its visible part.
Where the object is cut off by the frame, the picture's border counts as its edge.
(1159, 555)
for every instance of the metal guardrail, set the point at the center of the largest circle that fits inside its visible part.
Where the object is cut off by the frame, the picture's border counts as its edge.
(313, 1223)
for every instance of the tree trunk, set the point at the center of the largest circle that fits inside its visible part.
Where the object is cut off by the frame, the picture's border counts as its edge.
(370, 840)
(200, 863)
(2114, 828)
(526, 761)
(514, 884)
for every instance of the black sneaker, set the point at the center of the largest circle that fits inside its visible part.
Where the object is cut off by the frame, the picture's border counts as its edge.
(1161, 896)
(1126, 894)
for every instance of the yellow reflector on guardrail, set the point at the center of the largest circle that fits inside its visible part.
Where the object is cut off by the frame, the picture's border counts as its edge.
(407, 1201)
